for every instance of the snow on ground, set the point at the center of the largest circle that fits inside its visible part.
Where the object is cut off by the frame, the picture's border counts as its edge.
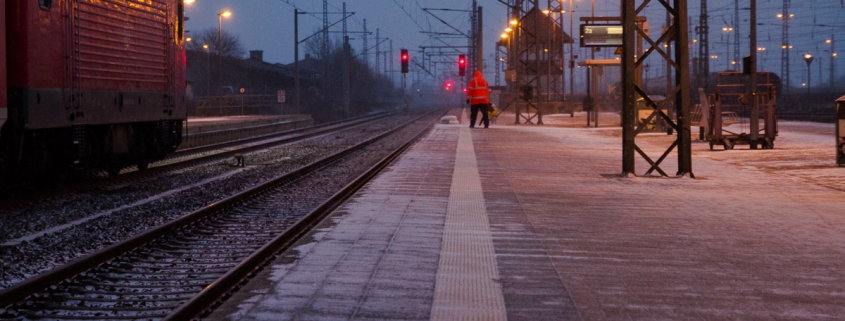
(803, 151)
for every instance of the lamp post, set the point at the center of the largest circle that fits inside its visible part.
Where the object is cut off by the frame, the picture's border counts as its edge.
(809, 59)
(514, 60)
(785, 46)
(207, 69)
(220, 16)
(831, 42)
(507, 60)
(296, 96)
(571, 57)
(727, 31)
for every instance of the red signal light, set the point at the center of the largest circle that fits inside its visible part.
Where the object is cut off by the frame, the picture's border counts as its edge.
(449, 85)
(462, 65)
(405, 57)
(465, 90)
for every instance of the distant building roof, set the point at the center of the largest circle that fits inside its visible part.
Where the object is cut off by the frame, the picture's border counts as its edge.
(546, 28)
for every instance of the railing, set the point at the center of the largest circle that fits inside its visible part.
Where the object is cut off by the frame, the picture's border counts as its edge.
(240, 105)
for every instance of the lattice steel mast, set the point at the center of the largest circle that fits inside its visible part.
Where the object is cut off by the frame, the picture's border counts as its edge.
(736, 32)
(703, 32)
(784, 53)
(678, 57)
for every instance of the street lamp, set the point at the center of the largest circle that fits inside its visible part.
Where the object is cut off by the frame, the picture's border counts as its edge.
(831, 42)
(296, 96)
(727, 31)
(809, 59)
(220, 16)
(785, 46)
(508, 63)
(207, 69)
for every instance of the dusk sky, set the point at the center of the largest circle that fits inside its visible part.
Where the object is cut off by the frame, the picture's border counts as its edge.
(268, 25)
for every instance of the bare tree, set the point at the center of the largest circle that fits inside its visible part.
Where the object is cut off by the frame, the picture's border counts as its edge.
(230, 44)
(314, 45)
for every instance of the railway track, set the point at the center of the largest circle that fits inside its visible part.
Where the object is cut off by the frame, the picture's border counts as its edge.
(189, 158)
(178, 270)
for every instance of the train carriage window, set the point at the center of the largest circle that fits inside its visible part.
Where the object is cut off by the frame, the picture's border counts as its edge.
(45, 4)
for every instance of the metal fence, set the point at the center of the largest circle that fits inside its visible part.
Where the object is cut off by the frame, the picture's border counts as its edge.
(231, 105)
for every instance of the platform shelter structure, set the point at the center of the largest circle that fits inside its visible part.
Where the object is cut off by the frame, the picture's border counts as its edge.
(535, 60)
(603, 86)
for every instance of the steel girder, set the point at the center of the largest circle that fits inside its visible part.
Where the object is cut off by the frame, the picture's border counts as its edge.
(677, 35)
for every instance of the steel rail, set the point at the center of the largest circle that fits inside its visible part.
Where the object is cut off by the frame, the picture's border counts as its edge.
(202, 149)
(44, 281)
(228, 282)
(317, 131)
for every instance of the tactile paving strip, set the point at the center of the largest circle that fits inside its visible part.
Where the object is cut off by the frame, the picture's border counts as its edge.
(467, 285)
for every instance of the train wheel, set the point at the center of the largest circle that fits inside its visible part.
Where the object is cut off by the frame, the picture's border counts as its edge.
(144, 163)
(113, 170)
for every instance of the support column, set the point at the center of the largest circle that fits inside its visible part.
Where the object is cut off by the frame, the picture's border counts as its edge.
(755, 112)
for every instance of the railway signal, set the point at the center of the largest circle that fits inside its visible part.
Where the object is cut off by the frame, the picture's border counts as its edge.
(449, 85)
(405, 59)
(462, 65)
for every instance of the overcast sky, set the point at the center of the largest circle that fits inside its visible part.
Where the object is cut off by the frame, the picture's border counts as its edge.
(268, 25)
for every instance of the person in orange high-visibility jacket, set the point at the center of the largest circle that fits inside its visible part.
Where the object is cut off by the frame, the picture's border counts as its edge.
(478, 98)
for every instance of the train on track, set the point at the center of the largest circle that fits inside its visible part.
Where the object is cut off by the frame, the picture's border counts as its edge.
(89, 84)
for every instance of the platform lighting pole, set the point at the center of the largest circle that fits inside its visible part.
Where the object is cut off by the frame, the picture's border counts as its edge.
(755, 112)
(346, 81)
(809, 59)
(785, 47)
(296, 101)
(220, 16)
(727, 31)
(479, 40)
(832, 43)
(207, 69)
(703, 32)
(571, 57)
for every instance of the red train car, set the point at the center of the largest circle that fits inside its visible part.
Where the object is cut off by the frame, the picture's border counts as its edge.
(3, 102)
(92, 84)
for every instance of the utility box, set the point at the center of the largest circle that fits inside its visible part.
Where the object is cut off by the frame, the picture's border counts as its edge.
(840, 131)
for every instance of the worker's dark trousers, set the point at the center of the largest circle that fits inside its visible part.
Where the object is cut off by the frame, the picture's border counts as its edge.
(472, 115)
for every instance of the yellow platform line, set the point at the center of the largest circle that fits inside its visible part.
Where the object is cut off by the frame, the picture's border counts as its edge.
(467, 286)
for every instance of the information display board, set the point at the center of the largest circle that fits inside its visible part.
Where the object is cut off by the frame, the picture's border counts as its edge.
(601, 35)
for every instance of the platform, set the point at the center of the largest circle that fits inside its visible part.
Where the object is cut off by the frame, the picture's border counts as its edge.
(523, 223)
(203, 131)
